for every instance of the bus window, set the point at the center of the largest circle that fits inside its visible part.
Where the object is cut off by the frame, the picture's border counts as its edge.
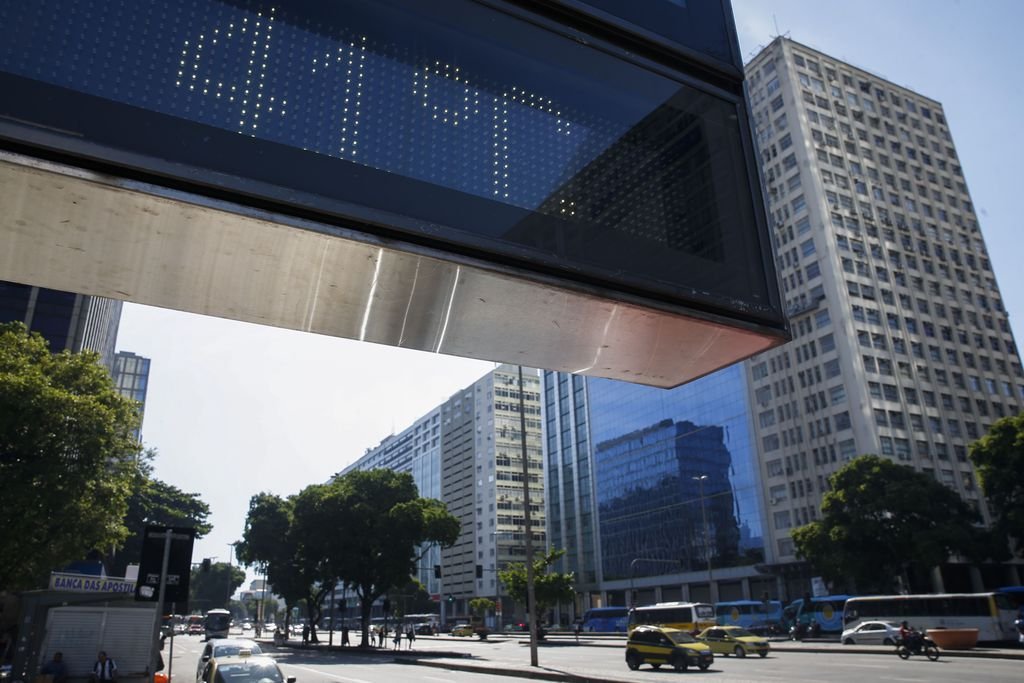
(606, 619)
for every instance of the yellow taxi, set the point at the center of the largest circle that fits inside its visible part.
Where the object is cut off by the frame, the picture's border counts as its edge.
(243, 668)
(462, 630)
(734, 640)
(656, 645)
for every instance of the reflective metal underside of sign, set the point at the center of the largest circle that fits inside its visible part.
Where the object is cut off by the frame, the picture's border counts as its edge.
(69, 229)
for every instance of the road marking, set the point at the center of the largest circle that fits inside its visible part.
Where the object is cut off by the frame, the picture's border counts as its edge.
(320, 672)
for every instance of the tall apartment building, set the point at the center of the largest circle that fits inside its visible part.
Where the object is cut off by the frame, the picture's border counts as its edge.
(902, 345)
(471, 448)
(68, 321)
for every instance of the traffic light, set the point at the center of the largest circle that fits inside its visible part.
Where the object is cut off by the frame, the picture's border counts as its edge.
(451, 599)
(479, 571)
(206, 564)
(437, 571)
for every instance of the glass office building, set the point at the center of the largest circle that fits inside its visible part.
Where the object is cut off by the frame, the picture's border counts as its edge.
(648, 487)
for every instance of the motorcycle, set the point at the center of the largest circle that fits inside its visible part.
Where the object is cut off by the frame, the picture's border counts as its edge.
(798, 631)
(917, 645)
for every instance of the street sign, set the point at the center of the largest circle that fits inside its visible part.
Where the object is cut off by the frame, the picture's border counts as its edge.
(179, 565)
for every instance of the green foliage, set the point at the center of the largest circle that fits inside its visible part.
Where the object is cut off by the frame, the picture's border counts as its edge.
(211, 589)
(367, 526)
(549, 587)
(999, 459)
(67, 458)
(156, 502)
(880, 518)
(293, 567)
(481, 606)
(362, 529)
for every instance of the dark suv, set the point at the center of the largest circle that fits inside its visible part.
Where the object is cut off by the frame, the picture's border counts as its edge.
(656, 645)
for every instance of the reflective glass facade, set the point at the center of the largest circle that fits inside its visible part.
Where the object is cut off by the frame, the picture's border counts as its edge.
(640, 453)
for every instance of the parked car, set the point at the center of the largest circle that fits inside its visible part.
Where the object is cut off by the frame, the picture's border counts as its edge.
(871, 633)
(734, 640)
(656, 645)
(425, 630)
(225, 647)
(244, 668)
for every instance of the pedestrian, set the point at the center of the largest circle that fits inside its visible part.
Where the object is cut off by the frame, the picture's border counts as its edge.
(305, 634)
(398, 637)
(410, 635)
(381, 634)
(344, 636)
(105, 669)
(56, 668)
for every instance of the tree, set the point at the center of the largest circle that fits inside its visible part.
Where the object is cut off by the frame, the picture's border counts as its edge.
(369, 524)
(549, 587)
(212, 588)
(293, 568)
(999, 459)
(67, 458)
(880, 519)
(155, 502)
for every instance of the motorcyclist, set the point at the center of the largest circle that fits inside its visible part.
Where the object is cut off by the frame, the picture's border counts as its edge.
(910, 637)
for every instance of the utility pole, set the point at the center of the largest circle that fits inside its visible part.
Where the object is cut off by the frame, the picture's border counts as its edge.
(531, 601)
(707, 536)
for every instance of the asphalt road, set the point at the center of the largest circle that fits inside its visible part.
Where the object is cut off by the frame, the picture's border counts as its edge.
(597, 662)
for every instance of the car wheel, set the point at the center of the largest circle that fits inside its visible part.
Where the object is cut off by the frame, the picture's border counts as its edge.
(703, 666)
(763, 653)
(888, 641)
(633, 660)
(739, 651)
(655, 666)
(679, 663)
(849, 641)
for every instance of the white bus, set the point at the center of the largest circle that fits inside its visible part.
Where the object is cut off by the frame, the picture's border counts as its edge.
(991, 613)
(217, 623)
(685, 616)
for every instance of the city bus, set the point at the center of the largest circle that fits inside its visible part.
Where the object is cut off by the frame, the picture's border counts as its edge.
(826, 610)
(686, 616)
(991, 613)
(606, 619)
(217, 623)
(759, 616)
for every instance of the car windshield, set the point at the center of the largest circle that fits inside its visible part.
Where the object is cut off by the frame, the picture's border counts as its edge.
(681, 637)
(739, 632)
(248, 673)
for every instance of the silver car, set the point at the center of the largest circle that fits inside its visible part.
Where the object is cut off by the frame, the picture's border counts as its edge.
(872, 633)
(225, 647)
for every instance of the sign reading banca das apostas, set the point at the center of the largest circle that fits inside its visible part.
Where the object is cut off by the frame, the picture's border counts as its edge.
(84, 583)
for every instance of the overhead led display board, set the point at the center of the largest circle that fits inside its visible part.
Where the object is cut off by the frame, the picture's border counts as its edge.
(483, 132)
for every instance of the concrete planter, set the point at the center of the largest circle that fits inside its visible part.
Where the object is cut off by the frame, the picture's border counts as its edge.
(954, 638)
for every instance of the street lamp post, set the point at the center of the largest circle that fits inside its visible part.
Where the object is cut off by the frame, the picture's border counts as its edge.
(707, 537)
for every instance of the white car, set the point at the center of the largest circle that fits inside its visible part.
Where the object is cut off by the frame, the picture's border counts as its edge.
(872, 633)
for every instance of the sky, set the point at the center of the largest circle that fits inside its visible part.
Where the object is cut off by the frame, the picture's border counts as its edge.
(235, 409)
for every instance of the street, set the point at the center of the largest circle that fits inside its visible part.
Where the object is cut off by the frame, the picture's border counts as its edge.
(599, 661)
